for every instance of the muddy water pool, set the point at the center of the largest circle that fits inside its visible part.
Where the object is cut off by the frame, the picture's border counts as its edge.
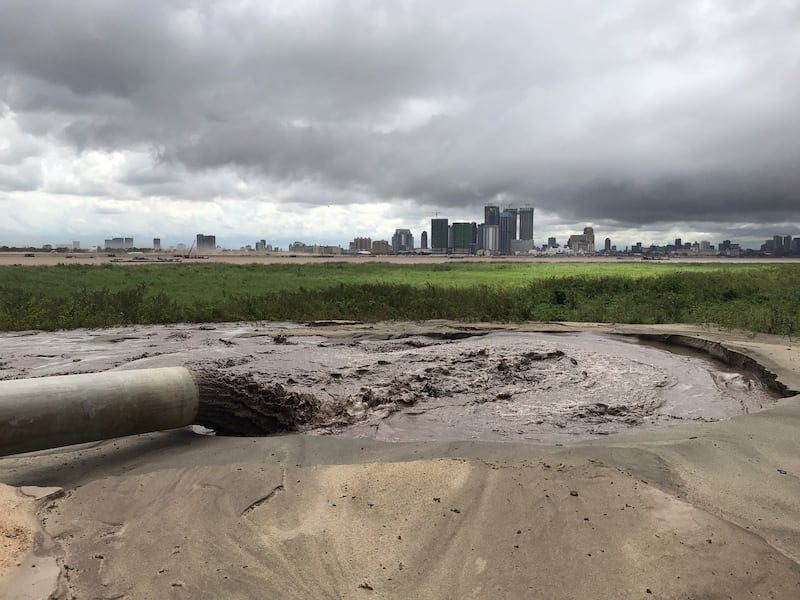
(514, 386)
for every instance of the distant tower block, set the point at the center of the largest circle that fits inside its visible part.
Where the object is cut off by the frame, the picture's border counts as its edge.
(491, 215)
(119, 243)
(462, 237)
(361, 244)
(206, 242)
(491, 238)
(157, 244)
(402, 241)
(589, 233)
(439, 234)
(507, 226)
(526, 223)
(512, 223)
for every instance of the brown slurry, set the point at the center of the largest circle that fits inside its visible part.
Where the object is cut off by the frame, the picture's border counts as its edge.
(239, 405)
(410, 382)
(511, 386)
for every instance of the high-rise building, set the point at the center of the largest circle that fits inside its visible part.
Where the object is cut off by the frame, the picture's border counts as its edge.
(678, 244)
(551, 242)
(507, 226)
(787, 244)
(402, 241)
(491, 215)
(474, 227)
(206, 242)
(577, 242)
(491, 238)
(439, 234)
(479, 236)
(607, 246)
(423, 240)
(582, 242)
(512, 222)
(589, 233)
(361, 244)
(156, 244)
(462, 237)
(381, 247)
(526, 223)
(119, 243)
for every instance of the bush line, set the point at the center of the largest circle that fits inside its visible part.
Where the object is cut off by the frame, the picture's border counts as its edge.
(765, 300)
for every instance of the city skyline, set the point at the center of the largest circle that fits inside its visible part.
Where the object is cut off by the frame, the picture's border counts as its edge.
(547, 225)
(298, 122)
(443, 239)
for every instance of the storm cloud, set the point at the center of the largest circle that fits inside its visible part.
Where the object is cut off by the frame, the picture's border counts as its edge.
(632, 113)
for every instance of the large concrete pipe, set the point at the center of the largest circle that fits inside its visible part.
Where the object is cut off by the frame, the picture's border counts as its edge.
(48, 412)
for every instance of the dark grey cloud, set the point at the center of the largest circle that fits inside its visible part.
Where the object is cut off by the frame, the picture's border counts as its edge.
(630, 112)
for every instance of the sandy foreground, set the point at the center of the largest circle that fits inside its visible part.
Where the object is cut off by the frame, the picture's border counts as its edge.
(707, 508)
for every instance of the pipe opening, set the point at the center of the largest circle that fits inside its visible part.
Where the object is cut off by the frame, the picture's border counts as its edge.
(238, 405)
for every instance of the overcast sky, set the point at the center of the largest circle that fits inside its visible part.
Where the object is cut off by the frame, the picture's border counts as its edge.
(321, 121)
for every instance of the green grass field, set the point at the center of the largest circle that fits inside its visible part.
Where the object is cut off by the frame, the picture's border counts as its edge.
(756, 297)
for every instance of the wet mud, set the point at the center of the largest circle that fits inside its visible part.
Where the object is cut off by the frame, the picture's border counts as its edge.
(239, 405)
(351, 381)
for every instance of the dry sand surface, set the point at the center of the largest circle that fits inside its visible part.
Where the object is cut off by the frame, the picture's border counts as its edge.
(16, 528)
(425, 472)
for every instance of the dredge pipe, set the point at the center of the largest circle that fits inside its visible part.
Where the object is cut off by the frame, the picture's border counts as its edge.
(48, 412)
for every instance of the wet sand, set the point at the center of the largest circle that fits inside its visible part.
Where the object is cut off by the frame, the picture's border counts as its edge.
(705, 508)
